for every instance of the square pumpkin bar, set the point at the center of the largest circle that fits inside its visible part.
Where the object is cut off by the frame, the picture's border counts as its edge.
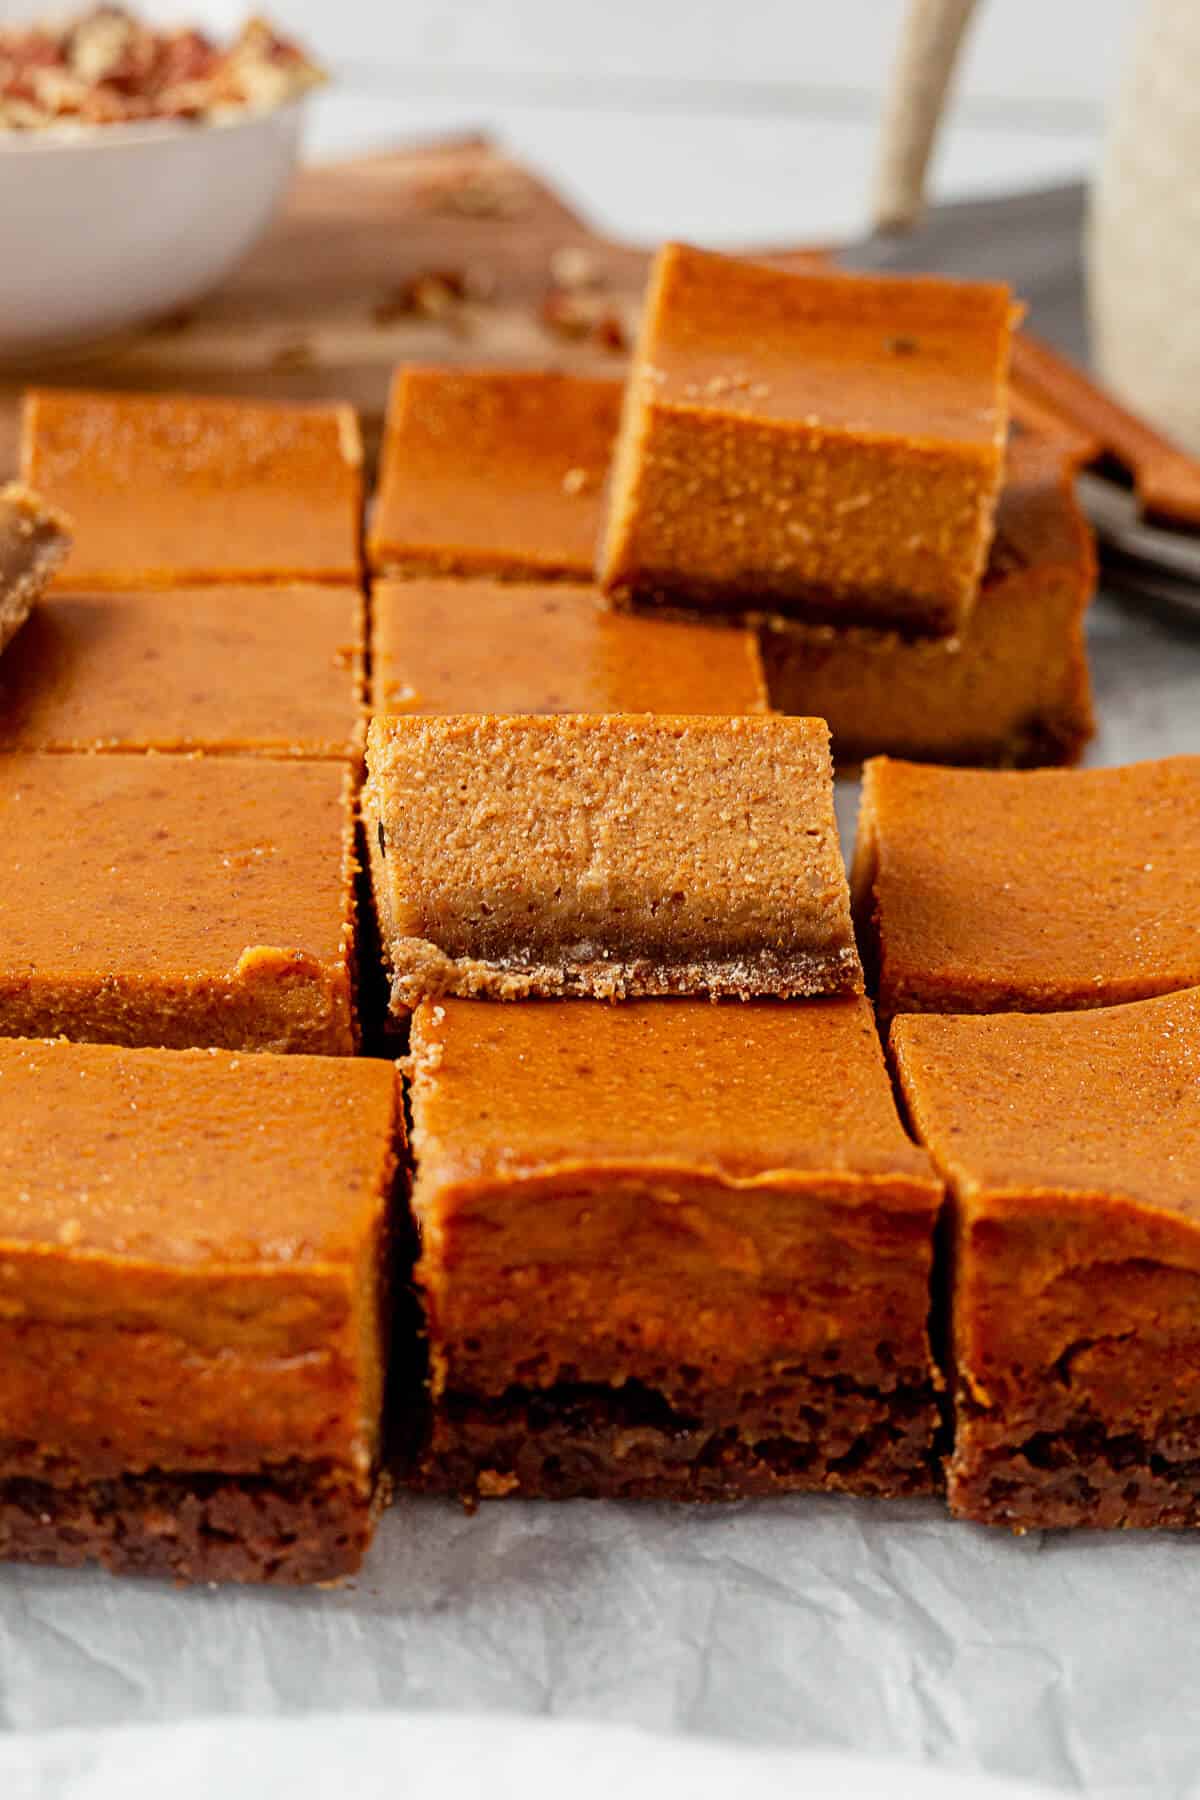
(1071, 1143)
(1012, 688)
(669, 1250)
(982, 890)
(34, 541)
(493, 472)
(173, 900)
(172, 490)
(194, 1250)
(268, 669)
(511, 647)
(823, 446)
(607, 856)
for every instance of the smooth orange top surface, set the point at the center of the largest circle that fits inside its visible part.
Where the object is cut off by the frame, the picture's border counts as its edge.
(169, 865)
(506, 647)
(742, 1089)
(494, 471)
(218, 668)
(1044, 887)
(171, 489)
(192, 1158)
(919, 358)
(1104, 1102)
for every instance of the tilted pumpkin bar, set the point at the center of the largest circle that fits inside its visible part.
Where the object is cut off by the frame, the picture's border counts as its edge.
(510, 647)
(607, 856)
(669, 1250)
(1071, 1142)
(493, 472)
(174, 900)
(982, 890)
(269, 669)
(1011, 688)
(825, 446)
(34, 541)
(174, 490)
(194, 1276)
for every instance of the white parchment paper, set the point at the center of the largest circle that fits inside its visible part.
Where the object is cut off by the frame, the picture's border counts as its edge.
(816, 1622)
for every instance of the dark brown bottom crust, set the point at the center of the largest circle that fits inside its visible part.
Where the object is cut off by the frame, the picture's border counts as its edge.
(564, 1443)
(757, 604)
(431, 974)
(1080, 1477)
(294, 1525)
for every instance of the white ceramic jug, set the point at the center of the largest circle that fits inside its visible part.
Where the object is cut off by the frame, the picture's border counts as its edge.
(1144, 235)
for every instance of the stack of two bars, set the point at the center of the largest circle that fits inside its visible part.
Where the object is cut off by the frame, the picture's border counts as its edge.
(821, 458)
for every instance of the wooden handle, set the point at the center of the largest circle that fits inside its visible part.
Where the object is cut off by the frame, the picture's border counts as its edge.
(930, 42)
(1165, 479)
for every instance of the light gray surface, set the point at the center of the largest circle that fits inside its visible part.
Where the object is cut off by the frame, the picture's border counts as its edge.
(828, 1623)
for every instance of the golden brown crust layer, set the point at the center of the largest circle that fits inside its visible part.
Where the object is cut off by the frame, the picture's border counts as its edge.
(180, 490)
(824, 446)
(583, 853)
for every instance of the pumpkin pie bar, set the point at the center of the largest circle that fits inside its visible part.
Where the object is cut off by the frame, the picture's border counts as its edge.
(493, 472)
(488, 646)
(173, 490)
(268, 669)
(606, 856)
(1071, 1143)
(818, 445)
(982, 890)
(670, 1250)
(34, 541)
(193, 1256)
(173, 900)
(1012, 688)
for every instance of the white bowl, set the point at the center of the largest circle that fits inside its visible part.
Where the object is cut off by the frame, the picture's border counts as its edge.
(110, 227)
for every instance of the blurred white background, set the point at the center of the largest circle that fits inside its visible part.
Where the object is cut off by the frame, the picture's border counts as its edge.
(738, 121)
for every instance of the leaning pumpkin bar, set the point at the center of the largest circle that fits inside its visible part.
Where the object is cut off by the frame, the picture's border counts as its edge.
(1071, 1143)
(607, 856)
(172, 490)
(194, 1253)
(1042, 890)
(669, 1250)
(819, 445)
(173, 900)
